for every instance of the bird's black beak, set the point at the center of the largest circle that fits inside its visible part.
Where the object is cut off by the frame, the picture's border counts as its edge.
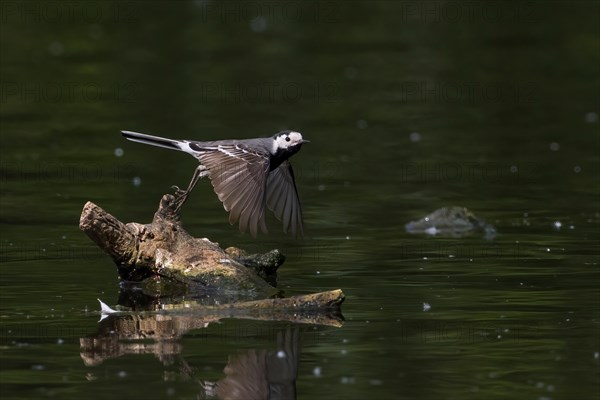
(305, 141)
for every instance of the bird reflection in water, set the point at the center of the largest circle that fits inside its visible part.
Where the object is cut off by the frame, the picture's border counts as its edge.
(264, 373)
(261, 374)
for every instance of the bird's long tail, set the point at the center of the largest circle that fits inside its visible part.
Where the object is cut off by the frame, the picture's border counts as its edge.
(155, 141)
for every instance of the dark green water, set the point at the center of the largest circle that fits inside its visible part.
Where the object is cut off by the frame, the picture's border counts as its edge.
(410, 106)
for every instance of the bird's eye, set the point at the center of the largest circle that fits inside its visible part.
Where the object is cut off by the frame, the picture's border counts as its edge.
(287, 139)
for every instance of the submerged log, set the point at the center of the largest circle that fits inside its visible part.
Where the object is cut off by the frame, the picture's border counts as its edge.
(158, 330)
(451, 221)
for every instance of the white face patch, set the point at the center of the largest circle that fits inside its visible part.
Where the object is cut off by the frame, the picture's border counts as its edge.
(287, 140)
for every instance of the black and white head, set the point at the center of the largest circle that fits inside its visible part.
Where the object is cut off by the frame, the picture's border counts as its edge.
(287, 143)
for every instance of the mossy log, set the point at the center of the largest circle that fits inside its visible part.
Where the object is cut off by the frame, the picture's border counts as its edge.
(164, 250)
(163, 253)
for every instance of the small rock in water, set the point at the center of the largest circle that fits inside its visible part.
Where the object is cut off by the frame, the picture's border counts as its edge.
(426, 307)
(317, 371)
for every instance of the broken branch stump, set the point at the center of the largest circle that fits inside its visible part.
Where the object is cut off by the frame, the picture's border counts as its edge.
(164, 250)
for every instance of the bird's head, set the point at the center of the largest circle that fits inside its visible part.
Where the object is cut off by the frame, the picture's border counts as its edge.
(287, 142)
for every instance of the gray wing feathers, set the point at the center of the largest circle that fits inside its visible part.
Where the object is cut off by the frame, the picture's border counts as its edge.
(282, 199)
(238, 177)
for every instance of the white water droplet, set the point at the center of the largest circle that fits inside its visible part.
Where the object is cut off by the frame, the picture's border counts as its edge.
(591, 117)
(258, 24)
(415, 137)
(56, 48)
(557, 224)
(350, 72)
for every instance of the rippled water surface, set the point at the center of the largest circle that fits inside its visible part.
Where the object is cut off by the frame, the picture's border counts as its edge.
(409, 106)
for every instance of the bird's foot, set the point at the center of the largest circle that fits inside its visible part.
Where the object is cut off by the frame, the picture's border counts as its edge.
(180, 198)
(178, 192)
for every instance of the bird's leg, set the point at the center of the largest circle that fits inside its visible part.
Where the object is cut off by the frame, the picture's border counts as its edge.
(182, 195)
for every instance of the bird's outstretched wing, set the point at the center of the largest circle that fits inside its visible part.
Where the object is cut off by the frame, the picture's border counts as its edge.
(239, 177)
(282, 198)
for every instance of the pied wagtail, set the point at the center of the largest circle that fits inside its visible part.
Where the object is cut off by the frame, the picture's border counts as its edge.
(246, 175)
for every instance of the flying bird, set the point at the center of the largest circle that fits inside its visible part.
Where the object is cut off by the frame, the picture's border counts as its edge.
(246, 175)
